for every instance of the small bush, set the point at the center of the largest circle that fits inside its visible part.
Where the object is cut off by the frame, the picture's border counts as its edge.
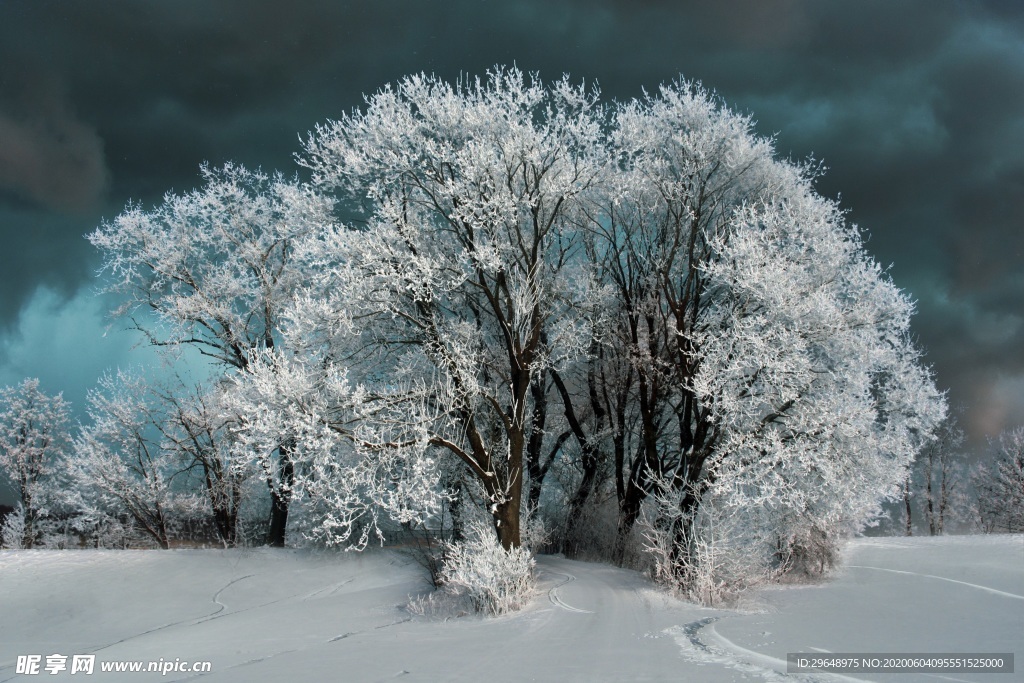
(440, 605)
(496, 581)
(12, 532)
(809, 554)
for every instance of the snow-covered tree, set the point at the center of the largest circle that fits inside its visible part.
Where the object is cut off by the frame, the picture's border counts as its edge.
(197, 434)
(346, 490)
(154, 457)
(680, 164)
(34, 437)
(769, 358)
(806, 364)
(212, 269)
(119, 467)
(940, 478)
(461, 287)
(999, 484)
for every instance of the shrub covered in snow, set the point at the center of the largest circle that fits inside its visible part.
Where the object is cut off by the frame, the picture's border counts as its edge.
(495, 580)
(12, 531)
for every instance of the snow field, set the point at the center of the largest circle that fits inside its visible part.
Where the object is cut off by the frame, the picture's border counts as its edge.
(296, 615)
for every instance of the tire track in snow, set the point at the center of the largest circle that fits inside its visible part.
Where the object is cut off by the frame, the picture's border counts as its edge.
(349, 634)
(721, 651)
(557, 601)
(216, 596)
(333, 589)
(191, 622)
(698, 651)
(994, 591)
(219, 613)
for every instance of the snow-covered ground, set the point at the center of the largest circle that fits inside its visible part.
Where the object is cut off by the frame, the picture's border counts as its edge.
(289, 615)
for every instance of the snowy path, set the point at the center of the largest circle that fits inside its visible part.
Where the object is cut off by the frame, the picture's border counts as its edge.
(298, 616)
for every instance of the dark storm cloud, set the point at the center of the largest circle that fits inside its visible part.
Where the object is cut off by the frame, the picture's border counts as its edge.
(915, 107)
(46, 154)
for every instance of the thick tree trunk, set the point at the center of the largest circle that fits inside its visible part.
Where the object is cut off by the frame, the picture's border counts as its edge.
(535, 445)
(278, 519)
(683, 565)
(455, 504)
(645, 463)
(28, 537)
(577, 505)
(506, 523)
(154, 523)
(280, 497)
(629, 512)
(226, 520)
(506, 513)
(590, 456)
(634, 494)
(164, 541)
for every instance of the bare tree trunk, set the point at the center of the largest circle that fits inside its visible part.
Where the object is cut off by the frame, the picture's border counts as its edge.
(225, 496)
(535, 465)
(590, 456)
(510, 500)
(225, 518)
(629, 513)
(28, 515)
(506, 523)
(455, 504)
(943, 495)
(280, 498)
(909, 531)
(931, 509)
(577, 505)
(929, 469)
(682, 538)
